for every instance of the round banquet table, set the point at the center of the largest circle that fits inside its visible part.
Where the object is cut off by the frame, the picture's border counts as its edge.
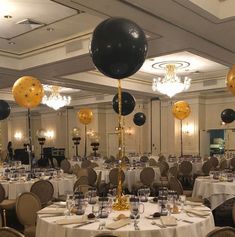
(61, 186)
(214, 190)
(132, 176)
(47, 226)
(196, 166)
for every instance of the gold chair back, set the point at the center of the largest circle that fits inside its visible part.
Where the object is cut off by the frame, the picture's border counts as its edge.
(65, 165)
(83, 180)
(113, 176)
(44, 190)
(222, 232)
(185, 167)
(147, 176)
(86, 164)
(27, 206)
(9, 232)
(175, 185)
(92, 176)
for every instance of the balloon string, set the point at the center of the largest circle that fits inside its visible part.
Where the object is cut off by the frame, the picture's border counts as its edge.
(85, 153)
(181, 138)
(30, 140)
(120, 140)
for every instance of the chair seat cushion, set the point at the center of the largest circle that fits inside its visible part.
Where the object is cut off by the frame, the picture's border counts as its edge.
(30, 231)
(8, 204)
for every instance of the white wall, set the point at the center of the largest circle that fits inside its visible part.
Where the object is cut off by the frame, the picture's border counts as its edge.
(160, 133)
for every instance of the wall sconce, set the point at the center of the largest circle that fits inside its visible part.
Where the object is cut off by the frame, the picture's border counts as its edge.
(50, 134)
(18, 136)
(188, 129)
(90, 133)
(129, 131)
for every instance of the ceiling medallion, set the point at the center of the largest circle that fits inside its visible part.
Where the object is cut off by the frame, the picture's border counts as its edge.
(171, 84)
(55, 100)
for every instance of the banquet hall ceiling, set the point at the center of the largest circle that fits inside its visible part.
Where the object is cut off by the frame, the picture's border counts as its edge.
(56, 51)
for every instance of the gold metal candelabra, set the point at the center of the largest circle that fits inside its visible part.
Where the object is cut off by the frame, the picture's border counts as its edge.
(121, 201)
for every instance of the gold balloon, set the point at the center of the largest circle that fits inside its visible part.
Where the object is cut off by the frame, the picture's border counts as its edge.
(230, 81)
(181, 110)
(28, 92)
(85, 116)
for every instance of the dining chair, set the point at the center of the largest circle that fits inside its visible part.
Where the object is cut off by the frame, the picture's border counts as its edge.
(9, 232)
(84, 188)
(55, 163)
(44, 190)
(206, 168)
(214, 162)
(232, 162)
(113, 176)
(152, 162)
(126, 160)
(144, 159)
(147, 176)
(94, 165)
(83, 180)
(98, 181)
(185, 168)
(75, 169)
(222, 232)
(175, 185)
(161, 158)
(223, 164)
(173, 171)
(164, 167)
(92, 176)
(65, 166)
(27, 206)
(86, 164)
(5, 204)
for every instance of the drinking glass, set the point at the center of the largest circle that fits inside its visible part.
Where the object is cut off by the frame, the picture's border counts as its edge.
(182, 199)
(69, 203)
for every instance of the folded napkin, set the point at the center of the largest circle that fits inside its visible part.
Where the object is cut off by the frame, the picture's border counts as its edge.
(52, 211)
(201, 213)
(193, 203)
(168, 220)
(118, 224)
(73, 220)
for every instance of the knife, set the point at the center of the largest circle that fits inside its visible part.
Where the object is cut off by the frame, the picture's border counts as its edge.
(86, 223)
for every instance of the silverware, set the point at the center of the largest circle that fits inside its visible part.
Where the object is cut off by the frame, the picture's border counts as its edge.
(86, 223)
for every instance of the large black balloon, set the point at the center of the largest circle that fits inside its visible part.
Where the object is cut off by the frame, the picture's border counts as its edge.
(118, 47)
(4, 109)
(139, 119)
(228, 115)
(128, 103)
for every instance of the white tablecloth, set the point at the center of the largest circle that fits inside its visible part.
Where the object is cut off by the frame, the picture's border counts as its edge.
(46, 226)
(214, 190)
(132, 176)
(61, 186)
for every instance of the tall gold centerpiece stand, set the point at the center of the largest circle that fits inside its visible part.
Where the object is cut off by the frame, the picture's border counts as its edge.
(121, 203)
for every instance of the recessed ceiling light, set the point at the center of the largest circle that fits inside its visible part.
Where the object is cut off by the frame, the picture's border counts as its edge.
(50, 29)
(11, 43)
(8, 16)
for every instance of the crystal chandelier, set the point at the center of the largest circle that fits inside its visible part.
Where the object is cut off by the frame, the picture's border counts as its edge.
(55, 100)
(171, 84)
